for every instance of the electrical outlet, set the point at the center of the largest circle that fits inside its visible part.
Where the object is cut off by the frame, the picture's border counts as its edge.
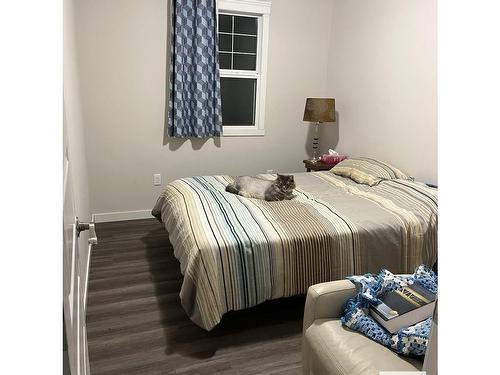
(157, 179)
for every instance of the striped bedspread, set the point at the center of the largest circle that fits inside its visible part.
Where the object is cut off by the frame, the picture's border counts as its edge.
(238, 252)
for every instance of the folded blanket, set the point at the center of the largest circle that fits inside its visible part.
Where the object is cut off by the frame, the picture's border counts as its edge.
(408, 341)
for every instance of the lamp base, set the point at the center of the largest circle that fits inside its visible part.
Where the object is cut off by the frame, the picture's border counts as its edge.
(315, 143)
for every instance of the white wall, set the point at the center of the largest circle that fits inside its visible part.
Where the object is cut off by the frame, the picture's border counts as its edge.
(383, 72)
(376, 57)
(122, 50)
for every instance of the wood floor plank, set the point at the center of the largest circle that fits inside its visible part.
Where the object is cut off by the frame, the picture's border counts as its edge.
(136, 324)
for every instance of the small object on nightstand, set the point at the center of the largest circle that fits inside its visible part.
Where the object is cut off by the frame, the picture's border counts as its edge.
(331, 159)
(317, 166)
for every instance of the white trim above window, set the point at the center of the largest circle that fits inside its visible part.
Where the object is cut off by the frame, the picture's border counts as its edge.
(261, 11)
(245, 6)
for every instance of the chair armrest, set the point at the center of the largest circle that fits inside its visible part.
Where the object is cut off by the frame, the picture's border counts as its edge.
(326, 300)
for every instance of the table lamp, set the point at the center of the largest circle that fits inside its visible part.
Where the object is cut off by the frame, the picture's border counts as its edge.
(319, 111)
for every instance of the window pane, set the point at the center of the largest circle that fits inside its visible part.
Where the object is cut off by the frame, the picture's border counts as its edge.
(224, 60)
(225, 42)
(245, 25)
(238, 101)
(225, 23)
(244, 62)
(245, 44)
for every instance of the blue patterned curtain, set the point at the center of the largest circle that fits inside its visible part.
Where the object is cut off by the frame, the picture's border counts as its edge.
(195, 101)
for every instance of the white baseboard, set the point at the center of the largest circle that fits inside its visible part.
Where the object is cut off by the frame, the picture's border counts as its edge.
(123, 215)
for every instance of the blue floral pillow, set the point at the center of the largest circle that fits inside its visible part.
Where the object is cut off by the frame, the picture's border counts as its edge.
(408, 341)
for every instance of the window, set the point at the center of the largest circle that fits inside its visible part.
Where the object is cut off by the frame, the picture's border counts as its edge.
(243, 28)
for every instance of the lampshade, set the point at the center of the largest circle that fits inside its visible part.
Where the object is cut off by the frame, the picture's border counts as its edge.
(319, 110)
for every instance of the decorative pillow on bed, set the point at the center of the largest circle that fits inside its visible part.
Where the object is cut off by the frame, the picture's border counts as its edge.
(368, 171)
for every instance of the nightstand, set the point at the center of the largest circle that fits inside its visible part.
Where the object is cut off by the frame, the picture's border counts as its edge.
(318, 166)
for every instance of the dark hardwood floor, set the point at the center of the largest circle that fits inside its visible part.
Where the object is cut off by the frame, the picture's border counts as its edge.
(136, 325)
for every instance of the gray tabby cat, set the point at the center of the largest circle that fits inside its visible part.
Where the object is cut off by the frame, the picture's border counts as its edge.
(254, 187)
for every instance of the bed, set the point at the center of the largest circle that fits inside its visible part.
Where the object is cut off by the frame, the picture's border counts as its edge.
(237, 252)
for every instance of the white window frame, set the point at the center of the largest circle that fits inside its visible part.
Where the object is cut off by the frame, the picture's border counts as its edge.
(261, 10)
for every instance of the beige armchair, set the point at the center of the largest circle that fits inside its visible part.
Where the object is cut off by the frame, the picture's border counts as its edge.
(328, 348)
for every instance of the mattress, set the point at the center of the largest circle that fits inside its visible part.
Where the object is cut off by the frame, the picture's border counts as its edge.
(237, 252)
